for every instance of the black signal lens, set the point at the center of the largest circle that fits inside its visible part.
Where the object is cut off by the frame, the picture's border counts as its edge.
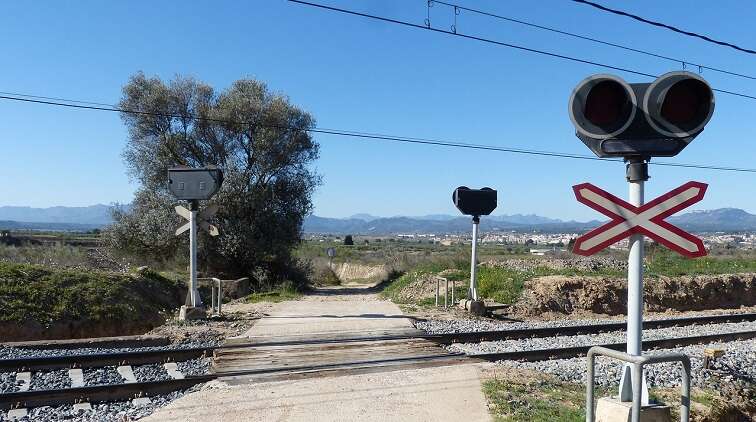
(686, 103)
(606, 104)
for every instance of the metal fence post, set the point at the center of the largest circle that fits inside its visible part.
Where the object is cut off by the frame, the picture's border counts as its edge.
(637, 393)
(685, 405)
(637, 363)
(589, 417)
(438, 286)
(446, 294)
(212, 299)
(220, 295)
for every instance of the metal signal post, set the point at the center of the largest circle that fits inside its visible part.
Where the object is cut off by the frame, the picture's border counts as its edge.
(193, 292)
(637, 122)
(472, 292)
(474, 202)
(193, 185)
(637, 174)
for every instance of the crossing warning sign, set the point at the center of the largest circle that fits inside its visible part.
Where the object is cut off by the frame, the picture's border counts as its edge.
(647, 219)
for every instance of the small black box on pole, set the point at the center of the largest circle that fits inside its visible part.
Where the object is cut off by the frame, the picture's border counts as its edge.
(194, 183)
(475, 202)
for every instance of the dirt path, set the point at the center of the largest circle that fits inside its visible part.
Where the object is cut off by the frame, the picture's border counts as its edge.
(448, 393)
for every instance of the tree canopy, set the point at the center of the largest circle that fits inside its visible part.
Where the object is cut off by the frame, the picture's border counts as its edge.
(260, 141)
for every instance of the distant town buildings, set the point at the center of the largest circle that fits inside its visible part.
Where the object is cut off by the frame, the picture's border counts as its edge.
(538, 243)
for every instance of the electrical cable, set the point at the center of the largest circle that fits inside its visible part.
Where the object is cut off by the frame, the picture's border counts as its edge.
(664, 25)
(500, 43)
(594, 40)
(366, 135)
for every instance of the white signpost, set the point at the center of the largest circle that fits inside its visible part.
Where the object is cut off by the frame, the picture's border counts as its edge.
(196, 220)
(634, 220)
(637, 122)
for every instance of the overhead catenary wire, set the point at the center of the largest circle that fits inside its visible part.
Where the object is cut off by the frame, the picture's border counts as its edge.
(77, 104)
(456, 33)
(664, 25)
(594, 40)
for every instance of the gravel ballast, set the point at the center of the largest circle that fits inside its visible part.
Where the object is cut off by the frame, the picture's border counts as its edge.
(739, 360)
(597, 339)
(101, 412)
(50, 380)
(18, 353)
(100, 376)
(116, 411)
(153, 372)
(195, 367)
(8, 382)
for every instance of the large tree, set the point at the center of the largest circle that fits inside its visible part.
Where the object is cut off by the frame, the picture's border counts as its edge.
(259, 140)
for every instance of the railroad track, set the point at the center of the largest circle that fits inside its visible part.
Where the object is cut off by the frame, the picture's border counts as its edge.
(131, 390)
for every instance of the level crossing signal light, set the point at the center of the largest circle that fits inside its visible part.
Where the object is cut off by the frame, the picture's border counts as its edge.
(617, 119)
(637, 122)
(474, 202)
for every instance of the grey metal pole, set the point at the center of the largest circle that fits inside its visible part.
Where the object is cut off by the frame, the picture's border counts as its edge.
(220, 295)
(212, 298)
(438, 284)
(473, 291)
(591, 379)
(637, 374)
(194, 293)
(637, 174)
(446, 294)
(685, 405)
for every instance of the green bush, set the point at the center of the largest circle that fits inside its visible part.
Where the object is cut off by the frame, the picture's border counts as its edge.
(30, 292)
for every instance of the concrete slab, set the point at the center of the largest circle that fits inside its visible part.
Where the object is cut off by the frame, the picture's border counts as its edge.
(327, 316)
(612, 410)
(447, 393)
(431, 394)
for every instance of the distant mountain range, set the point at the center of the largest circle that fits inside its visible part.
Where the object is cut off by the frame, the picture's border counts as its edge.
(723, 219)
(95, 216)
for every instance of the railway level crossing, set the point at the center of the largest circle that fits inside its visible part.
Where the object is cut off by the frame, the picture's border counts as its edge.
(638, 122)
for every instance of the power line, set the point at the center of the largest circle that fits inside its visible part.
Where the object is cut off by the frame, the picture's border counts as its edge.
(362, 135)
(500, 43)
(594, 40)
(665, 26)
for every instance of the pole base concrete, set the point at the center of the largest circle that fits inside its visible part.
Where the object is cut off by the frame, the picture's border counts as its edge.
(476, 307)
(610, 409)
(191, 313)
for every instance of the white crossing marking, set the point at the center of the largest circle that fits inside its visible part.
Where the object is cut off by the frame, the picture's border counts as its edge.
(141, 401)
(23, 380)
(77, 377)
(17, 413)
(173, 371)
(82, 406)
(127, 374)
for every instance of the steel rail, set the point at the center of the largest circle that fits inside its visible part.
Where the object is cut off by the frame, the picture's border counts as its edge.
(524, 333)
(115, 392)
(105, 359)
(120, 392)
(578, 351)
(179, 354)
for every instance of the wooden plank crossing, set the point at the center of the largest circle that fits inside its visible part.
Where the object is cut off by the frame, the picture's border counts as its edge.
(327, 354)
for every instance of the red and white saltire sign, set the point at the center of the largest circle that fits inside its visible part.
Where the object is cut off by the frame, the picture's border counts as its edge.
(647, 219)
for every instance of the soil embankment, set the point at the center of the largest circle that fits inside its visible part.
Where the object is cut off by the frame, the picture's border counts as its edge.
(606, 295)
(38, 303)
(349, 272)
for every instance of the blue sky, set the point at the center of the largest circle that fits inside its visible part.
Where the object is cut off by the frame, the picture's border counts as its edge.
(357, 74)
